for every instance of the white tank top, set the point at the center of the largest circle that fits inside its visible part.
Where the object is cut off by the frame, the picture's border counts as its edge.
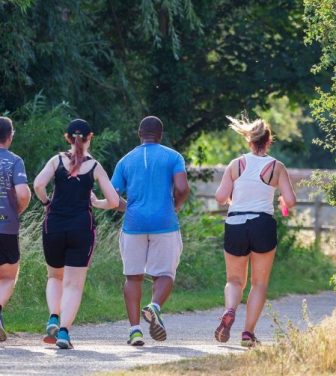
(250, 193)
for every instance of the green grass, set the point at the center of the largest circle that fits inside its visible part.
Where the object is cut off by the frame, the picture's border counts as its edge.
(199, 283)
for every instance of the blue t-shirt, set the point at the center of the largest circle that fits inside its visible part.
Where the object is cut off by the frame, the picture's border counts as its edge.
(146, 175)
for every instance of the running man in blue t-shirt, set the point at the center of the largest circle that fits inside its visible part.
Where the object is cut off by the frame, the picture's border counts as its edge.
(154, 179)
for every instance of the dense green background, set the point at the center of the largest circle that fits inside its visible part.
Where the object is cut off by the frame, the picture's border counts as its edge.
(191, 62)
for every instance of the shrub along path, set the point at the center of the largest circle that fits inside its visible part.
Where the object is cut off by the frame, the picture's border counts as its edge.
(102, 347)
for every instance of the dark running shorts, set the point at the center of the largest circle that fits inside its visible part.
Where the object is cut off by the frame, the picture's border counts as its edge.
(9, 249)
(69, 248)
(256, 235)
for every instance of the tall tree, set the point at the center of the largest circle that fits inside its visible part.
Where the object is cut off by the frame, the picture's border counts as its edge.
(321, 27)
(190, 62)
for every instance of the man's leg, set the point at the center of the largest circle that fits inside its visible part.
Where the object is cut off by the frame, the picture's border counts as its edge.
(162, 261)
(133, 250)
(162, 288)
(8, 277)
(163, 258)
(132, 296)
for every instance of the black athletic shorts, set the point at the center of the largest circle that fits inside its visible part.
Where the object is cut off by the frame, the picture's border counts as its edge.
(256, 235)
(9, 249)
(69, 248)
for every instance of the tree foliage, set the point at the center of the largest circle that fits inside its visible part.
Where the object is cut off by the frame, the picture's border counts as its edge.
(191, 62)
(320, 17)
(321, 20)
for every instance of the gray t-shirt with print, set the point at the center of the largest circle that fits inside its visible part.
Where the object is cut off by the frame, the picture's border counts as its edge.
(12, 172)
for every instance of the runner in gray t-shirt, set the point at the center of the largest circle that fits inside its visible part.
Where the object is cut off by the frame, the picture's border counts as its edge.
(14, 199)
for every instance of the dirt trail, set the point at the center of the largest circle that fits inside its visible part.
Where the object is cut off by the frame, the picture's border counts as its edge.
(102, 347)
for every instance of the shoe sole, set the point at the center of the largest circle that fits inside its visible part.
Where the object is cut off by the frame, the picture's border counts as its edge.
(3, 334)
(64, 344)
(156, 330)
(138, 342)
(51, 337)
(249, 343)
(52, 330)
(222, 333)
(50, 340)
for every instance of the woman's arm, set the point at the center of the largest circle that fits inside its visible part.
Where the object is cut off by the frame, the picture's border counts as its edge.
(286, 188)
(111, 196)
(43, 178)
(224, 191)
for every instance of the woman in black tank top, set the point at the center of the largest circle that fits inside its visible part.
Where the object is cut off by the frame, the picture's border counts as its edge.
(69, 227)
(70, 207)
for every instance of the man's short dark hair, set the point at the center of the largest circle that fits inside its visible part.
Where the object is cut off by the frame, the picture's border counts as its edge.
(151, 126)
(6, 128)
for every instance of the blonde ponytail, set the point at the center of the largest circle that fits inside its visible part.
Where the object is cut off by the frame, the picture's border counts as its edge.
(252, 131)
(257, 132)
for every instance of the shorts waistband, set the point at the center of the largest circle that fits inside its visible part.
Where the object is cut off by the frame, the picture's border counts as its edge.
(231, 214)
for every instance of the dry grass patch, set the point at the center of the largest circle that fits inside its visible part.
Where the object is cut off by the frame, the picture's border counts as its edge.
(310, 353)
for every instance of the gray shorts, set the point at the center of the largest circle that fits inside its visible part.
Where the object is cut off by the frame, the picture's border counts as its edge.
(154, 254)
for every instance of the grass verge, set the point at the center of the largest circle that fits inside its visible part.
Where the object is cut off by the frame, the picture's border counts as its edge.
(199, 283)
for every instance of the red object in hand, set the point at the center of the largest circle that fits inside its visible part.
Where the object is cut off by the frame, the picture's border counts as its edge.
(283, 207)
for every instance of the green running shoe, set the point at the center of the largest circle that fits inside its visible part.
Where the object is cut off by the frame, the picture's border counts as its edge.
(156, 328)
(3, 334)
(136, 338)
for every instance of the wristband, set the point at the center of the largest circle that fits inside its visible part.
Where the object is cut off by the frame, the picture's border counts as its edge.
(46, 203)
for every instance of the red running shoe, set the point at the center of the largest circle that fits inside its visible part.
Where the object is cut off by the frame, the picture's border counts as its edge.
(222, 333)
(249, 339)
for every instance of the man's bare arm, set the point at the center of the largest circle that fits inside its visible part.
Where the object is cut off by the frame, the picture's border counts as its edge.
(181, 189)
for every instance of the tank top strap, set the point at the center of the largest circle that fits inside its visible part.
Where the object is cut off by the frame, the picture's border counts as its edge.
(94, 166)
(91, 171)
(270, 165)
(60, 160)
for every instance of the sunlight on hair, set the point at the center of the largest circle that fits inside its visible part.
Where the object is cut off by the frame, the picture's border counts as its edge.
(252, 131)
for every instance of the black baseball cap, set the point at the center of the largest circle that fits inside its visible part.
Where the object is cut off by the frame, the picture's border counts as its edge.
(79, 127)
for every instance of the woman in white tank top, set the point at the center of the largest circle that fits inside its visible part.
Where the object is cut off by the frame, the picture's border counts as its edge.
(248, 185)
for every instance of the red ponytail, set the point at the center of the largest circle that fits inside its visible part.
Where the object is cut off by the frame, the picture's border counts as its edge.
(77, 157)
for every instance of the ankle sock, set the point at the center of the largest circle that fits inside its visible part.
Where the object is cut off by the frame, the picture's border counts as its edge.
(53, 315)
(157, 306)
(135, 327)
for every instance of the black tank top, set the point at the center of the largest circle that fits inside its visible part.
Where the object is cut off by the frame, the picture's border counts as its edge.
(70, 207)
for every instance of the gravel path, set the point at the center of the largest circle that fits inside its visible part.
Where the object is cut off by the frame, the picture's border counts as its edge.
(102, 347)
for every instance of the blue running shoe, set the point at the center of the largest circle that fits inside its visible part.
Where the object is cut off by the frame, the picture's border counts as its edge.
(63, 340)
(156, 328)
(3, 335)
(52, 330)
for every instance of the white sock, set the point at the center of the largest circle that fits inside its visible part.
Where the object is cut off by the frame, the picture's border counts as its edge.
(135, 327)
(157, 306)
